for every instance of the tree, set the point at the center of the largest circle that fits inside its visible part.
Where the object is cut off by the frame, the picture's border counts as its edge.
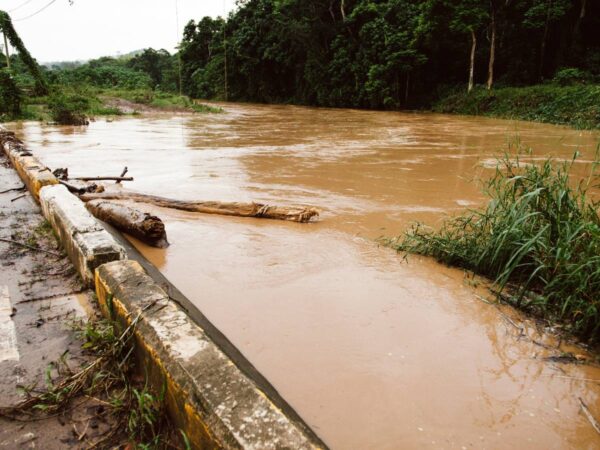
(540, 15)
(7, 28)
(467, 17)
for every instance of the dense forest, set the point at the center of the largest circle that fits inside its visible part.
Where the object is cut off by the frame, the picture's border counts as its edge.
(527, 59)
(387, 53)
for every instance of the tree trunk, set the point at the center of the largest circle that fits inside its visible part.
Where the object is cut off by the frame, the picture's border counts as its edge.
(490, 79)
(258, 210)
(147, 228)
(543, 44)
(6, 52)
(472, 64)
(343, 10)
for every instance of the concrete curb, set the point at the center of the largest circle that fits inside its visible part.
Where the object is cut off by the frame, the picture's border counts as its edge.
(84, 239)
(207, 396)
(33, 173)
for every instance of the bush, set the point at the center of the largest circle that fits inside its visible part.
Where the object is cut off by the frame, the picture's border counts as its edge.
(538, 238)
(10, 96)
(577, 106)
(69, 108)
(570, 76)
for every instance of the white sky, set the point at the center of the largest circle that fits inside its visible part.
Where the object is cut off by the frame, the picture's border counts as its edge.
(92, 28)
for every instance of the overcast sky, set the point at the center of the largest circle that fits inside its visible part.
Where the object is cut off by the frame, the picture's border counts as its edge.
(92, 28)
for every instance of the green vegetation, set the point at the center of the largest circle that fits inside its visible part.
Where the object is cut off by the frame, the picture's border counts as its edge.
(71, 93)
(137, 413)
(68, 109)
(6, 27)
(538, 238)
(399, 54)
(10, 96)
(577, 106)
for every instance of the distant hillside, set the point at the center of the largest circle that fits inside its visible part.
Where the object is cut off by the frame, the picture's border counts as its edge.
(77, 63)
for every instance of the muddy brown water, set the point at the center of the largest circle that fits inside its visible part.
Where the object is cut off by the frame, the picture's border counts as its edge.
(372, 351)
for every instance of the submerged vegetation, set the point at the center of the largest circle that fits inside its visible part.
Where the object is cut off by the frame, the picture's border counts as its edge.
(538, 238)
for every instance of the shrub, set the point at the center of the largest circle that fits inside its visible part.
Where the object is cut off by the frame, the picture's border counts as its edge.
(577, 106)
(570, 76)
(69, 108)
(10, 96)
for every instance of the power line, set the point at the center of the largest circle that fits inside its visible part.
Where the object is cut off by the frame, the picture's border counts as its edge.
(35, 13)
(20, 6)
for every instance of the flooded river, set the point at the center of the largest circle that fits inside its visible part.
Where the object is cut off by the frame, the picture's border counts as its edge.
(374, 352)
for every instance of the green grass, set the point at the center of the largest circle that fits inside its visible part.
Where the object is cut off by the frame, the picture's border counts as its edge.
(538, 239)
(577, 106)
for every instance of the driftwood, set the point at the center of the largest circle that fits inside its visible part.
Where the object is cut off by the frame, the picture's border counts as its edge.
(81, 188)
(146, 227)
(228, 209)
(118, 179)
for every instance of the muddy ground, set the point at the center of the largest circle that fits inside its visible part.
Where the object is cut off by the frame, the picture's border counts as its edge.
(41, 297)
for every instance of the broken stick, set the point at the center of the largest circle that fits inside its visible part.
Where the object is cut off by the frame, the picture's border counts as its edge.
(589, 415)
(125, 169)
(144, 226)
(294, 214)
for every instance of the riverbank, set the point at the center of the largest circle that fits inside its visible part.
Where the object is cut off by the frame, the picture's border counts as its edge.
(576, 106)
(77, 106)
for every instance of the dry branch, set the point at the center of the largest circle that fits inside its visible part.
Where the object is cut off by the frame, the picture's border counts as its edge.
(103, 179)
(125, 169)
(294, 214)
(143, 226)
(30, 247)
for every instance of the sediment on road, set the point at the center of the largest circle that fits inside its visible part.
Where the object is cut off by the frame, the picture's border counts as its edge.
(214, 398)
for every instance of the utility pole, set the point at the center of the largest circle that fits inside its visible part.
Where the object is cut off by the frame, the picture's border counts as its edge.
(225, 47)
(178, 47)
(225, 60)
(6, 51)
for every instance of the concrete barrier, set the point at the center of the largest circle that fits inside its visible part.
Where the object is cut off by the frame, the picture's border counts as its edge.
(207, 395)
(34, 174)
(84, 239)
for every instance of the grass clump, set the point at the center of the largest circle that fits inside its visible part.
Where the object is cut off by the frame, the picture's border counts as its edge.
(538, 238)
(576, 105)
(135, 412)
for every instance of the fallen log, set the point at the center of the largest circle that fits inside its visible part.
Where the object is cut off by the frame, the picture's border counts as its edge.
(146, 227)
(294, 214)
